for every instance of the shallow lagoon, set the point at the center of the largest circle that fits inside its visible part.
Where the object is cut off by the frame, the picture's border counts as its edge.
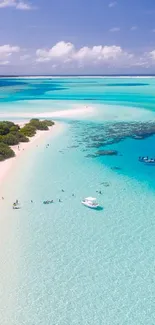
(69, 264)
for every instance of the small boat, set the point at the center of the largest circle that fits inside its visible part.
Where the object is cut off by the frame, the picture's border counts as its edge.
(147, 160)
(90, 202)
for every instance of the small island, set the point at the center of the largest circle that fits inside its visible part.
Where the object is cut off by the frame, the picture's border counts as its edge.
(12, 134)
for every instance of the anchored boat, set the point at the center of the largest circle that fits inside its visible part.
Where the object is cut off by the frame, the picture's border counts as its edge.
(90, 202)
(147, 161)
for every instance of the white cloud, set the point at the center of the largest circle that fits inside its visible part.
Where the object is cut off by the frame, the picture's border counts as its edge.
(98, 53)
(115, 29)
(58, 51)
(66, 53)
(7, 50)
(25, 57)
(112, 4)
(7, 3)
(152, 54)
(21, 5)
(146, 60)
(4, 62)
(133, 28)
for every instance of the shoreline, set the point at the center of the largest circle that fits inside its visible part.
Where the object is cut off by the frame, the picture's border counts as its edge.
(7, 165)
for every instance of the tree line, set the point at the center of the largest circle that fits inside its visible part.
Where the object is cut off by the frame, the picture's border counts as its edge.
(12, 134)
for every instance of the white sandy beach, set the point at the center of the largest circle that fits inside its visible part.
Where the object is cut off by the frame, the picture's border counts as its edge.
(76, 112)
(7, 165)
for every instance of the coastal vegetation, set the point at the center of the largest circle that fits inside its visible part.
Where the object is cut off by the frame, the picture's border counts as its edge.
(12, 134)
(5, 151)
(29, 130)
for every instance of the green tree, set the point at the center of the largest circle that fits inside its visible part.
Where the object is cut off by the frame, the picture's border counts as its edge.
(39, 125)
(9, 124)
(4, 129)
(42, 126)
(28, 130)
(5, 151)
(14, 129)
(49, 122)
(10, 139)
(22, 137)
(35, 122)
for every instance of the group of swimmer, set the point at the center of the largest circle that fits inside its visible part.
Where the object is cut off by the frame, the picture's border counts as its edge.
(52, 201)
(16, 204)
(99, 192)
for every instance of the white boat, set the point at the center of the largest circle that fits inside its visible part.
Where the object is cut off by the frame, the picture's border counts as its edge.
(90, 202)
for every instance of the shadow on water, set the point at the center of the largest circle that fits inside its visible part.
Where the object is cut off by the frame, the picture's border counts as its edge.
(100, 208)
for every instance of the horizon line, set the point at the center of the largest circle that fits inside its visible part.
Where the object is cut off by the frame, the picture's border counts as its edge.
(75, 75)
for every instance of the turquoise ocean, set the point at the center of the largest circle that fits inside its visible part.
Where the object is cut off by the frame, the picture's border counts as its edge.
(64, 264)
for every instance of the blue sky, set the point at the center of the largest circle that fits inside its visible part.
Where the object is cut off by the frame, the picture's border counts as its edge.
(77, 36)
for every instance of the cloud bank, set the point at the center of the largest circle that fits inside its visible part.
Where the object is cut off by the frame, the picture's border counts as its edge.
(65, 56)
(17, 4)
(66, 53)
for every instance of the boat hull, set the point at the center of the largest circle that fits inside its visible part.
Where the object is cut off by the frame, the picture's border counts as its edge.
(149, 163)
(90, 206)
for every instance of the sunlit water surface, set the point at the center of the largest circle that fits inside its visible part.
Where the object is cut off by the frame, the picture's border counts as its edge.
(63, 263)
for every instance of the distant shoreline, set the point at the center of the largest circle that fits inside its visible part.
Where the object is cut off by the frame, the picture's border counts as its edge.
(76, 76)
